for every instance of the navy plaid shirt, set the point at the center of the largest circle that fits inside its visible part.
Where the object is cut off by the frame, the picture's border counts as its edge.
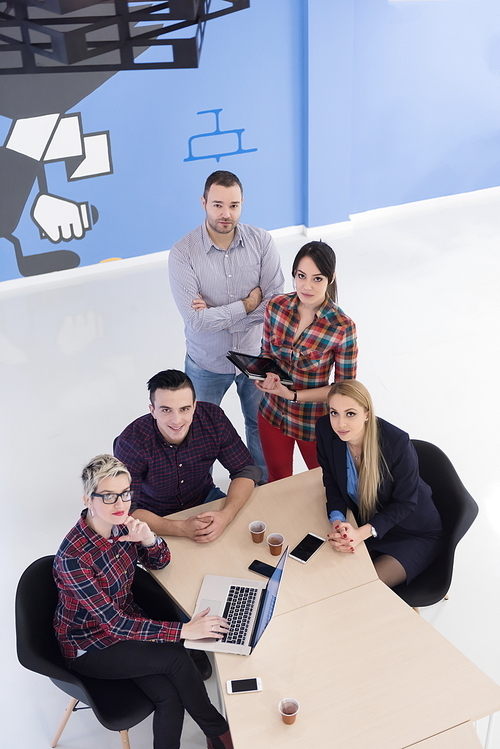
(167, 478)
(93, 577)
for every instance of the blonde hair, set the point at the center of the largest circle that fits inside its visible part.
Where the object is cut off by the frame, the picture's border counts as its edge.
(372, 466)
(101, 467)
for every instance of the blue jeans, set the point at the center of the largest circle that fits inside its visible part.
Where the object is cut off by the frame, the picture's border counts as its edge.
(213, 494)
(212, 386)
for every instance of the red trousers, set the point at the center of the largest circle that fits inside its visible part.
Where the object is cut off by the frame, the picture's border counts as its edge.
(278, 451)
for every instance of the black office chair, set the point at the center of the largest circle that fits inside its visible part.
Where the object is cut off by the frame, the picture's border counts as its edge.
(457, 510)
(118, 704)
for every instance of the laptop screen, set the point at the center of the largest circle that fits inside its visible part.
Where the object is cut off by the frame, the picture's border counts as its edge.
(269, 600)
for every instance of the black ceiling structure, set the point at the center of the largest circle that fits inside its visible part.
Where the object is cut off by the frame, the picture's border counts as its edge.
(65, 36)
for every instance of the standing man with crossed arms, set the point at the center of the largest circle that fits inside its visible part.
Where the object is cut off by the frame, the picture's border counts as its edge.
(222, 275)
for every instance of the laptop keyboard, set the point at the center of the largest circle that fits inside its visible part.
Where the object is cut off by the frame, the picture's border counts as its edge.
(239, 605)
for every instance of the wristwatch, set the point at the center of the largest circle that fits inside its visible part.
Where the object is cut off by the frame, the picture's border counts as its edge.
(373, 532)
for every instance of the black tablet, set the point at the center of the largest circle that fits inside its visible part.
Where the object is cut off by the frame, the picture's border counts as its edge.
(256, 367)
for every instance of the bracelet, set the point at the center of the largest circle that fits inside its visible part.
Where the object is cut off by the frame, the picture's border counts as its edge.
(294, 397)
(150, 546)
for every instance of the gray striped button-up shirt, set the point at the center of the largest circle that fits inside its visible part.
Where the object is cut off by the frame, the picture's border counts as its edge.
(223, 278)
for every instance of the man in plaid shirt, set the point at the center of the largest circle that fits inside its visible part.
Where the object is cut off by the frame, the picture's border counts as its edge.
(170, 453)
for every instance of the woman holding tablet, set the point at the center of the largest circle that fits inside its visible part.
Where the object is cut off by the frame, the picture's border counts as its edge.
(307, 335)
(371, 467)
(101, 630)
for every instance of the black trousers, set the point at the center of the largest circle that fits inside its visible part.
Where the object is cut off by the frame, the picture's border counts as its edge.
(167, 674)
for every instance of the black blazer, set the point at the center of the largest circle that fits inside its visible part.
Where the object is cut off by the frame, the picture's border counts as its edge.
(404, 500)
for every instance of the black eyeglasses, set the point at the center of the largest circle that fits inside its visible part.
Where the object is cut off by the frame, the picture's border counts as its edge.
(111, 499)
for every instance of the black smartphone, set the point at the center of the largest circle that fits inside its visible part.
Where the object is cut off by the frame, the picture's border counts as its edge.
(307, 547)
(261, 568)
(244, 685)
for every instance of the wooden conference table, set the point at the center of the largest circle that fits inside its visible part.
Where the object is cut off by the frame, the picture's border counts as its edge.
(463, 736)
(366, 669)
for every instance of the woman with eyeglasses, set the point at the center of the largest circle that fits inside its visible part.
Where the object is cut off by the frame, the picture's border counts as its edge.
(101, 630)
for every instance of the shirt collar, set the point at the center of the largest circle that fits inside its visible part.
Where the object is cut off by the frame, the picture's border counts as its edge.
(208, 243)
(292, 302)
(325, 308)
(323, 311)
(94, 537)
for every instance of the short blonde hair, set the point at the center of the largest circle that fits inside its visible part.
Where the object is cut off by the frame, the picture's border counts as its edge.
(101, 467)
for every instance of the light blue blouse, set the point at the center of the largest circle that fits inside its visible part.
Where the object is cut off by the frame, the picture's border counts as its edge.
(352, 486)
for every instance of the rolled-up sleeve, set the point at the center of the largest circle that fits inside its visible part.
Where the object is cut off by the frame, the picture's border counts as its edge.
(346, 354)
(234, 455)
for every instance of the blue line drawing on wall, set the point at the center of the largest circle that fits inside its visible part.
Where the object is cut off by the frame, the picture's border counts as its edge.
(222, 136)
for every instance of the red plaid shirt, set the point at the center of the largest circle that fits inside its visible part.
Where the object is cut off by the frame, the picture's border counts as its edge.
(329, 341)
(93, 576)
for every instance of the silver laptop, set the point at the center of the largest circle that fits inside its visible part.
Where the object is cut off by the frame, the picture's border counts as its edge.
(248, 605)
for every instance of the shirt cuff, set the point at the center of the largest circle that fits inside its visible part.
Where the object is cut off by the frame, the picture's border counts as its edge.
(173, 632)
(247, 472)
(150, 546)
(336, 515)
(238, 311)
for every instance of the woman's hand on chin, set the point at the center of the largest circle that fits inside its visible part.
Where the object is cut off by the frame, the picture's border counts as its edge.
(138, 531)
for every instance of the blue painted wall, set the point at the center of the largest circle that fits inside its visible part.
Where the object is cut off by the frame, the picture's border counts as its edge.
(328, 105)
(351, 105)
(426, 100)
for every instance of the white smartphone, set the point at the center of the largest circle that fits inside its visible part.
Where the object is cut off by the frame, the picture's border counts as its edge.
(307, 547)
(236, 686)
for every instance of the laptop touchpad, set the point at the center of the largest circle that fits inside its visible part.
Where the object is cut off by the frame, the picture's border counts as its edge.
(214, 606)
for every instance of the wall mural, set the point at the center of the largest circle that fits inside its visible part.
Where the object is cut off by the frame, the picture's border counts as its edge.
(217, 138)
(32, 143)
(53, 55)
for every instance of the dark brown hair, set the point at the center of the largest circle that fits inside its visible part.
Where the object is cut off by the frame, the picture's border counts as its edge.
(324, 258)
(225, 179)
(169, 379)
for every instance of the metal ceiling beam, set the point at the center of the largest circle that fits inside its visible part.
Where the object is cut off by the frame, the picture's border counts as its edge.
(55, 36)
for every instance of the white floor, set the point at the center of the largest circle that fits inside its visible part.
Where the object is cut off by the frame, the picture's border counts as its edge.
(76, 349)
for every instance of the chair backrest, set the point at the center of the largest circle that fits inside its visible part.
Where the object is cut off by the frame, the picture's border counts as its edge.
(36, 600)
(118, 704)
(456, 507)
(457, 510)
